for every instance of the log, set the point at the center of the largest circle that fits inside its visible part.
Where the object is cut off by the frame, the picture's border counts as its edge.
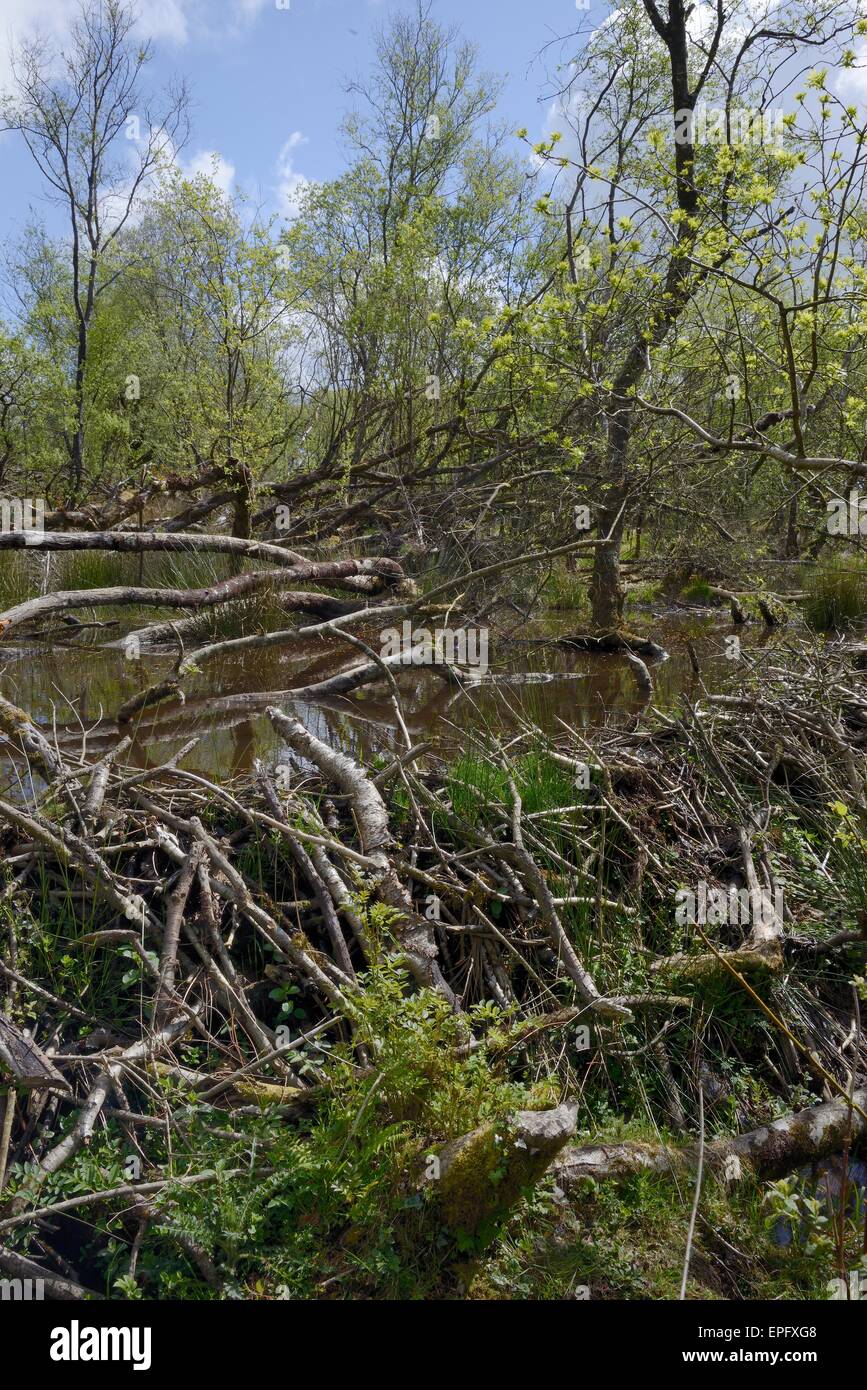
(643, 678)
(771, 616)
(186, 542)
(169, 689)
(25, 1064)
(615, 642)
(484, 1174)
(765, 1154)
(738, 612)
(321, 606)
(19, 728)
(415, 935)
(225, 591)
(56, 1287)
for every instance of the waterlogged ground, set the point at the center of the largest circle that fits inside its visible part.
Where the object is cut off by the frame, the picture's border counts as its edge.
(73, 688)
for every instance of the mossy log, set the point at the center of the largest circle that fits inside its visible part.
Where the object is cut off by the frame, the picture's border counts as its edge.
(267, 1093)
(23, 734)
(483, 1174)
(706, 968)
(765, 1154)
(620, 641)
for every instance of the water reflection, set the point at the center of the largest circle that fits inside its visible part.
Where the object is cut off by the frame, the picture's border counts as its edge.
(74, 690)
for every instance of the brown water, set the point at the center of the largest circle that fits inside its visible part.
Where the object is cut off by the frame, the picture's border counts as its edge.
(74, 689)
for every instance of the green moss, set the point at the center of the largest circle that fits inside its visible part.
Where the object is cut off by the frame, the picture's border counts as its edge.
(470, 1190)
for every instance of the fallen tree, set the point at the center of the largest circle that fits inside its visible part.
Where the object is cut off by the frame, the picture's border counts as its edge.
(762, 1154)
(339, 572)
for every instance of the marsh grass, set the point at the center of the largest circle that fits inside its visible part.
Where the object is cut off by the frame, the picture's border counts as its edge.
(19, 578)
(642, 592)
(475, 783)
(93, 569)
(836, 593)
(698, 591)
(23, 574)
(566, 589)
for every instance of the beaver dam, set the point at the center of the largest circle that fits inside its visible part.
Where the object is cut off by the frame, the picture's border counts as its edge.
(253, 882)
(433, 639)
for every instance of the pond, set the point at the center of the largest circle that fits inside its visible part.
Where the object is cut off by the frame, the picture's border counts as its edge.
(73, 688)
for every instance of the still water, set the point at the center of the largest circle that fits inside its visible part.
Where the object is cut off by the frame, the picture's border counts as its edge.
(72, 688)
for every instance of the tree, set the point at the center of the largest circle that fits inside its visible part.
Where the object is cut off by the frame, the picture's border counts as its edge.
(394, 267)
(208, 313)
(681, 208)
(73, 124)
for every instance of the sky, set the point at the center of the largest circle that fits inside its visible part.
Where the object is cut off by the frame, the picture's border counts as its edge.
(267, 82)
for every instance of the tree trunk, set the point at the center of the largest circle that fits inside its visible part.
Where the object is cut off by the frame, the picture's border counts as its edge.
(766, 1154)
(242, 485)
(607, 594)
(606, 589)
(792, 549)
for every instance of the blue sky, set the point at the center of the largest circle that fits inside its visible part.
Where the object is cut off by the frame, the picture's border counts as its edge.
(267, 83)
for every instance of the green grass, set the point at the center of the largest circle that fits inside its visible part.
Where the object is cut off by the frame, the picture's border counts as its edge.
(647, 591)
(186, 570)
(346, 1211)
(626, 1240)
(564, 589)
(836, 594)
(698, 591)
(19, 580)
(474, 784)
(94, 569)
(21, 574)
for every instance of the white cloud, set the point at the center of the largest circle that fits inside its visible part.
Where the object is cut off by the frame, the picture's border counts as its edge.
(23, 19)
(166, 20)
(212, 164)
(291, 185)
(251, 9)
(851, 84)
